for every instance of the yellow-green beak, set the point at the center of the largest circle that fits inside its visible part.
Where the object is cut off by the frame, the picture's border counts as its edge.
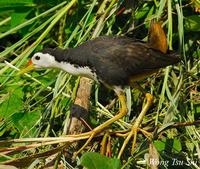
(26, 69)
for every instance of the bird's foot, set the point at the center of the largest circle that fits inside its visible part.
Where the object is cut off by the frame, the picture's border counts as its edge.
(135, 127)
(90, 135)
(133, 133)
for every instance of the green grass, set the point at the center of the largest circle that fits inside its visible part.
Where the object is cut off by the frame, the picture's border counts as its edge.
(37, 105)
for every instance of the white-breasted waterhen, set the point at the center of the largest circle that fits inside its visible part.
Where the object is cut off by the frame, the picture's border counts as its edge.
(115, 61)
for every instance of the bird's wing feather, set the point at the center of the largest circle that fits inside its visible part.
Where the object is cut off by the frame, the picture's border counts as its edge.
(119, 58)
(136, 55)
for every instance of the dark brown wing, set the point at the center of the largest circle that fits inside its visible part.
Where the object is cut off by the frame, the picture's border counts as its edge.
(116, 59)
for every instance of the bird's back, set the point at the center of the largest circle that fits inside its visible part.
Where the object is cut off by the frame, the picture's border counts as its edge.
(117, 59)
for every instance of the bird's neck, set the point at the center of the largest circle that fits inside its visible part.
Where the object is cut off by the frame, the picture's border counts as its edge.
(78, 70)
(72, 56)
(74, 63)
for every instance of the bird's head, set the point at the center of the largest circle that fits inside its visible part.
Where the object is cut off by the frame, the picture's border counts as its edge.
(41, 59)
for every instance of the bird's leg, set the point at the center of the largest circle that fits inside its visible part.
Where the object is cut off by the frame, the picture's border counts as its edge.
(149, 102)
(122, 112)
(138, 121)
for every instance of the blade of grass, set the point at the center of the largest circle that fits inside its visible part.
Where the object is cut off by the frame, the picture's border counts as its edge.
(29, 50)
(28, 22)
(25, 38)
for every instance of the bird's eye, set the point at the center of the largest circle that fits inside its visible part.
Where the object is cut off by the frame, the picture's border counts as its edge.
(37, 58)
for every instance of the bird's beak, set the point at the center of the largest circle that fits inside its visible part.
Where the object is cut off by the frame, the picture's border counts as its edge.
(27, 69)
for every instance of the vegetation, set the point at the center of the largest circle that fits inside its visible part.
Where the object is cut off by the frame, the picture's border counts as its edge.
(35, 108)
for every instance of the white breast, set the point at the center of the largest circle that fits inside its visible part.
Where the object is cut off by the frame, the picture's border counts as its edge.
(78, 71)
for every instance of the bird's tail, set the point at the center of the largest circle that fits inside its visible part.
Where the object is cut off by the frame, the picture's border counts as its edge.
(157, 38)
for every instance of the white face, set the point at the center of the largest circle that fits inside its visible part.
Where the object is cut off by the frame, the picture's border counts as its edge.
(44, 60)
(41, 60)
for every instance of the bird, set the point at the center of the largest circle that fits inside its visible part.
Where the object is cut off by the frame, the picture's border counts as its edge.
(111, 60)
(114, 61)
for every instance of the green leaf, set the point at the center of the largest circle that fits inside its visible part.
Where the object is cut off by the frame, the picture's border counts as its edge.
(160, 145)
(14, 3)
(12, 102)
(92, 160)
(172, 145)
(18, 17)
(150, 13)
(25, 122)
(192, 23)
(177, 145)
(142, 12)
(9, 7)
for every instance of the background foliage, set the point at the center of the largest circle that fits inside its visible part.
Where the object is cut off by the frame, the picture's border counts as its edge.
(38, 104)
